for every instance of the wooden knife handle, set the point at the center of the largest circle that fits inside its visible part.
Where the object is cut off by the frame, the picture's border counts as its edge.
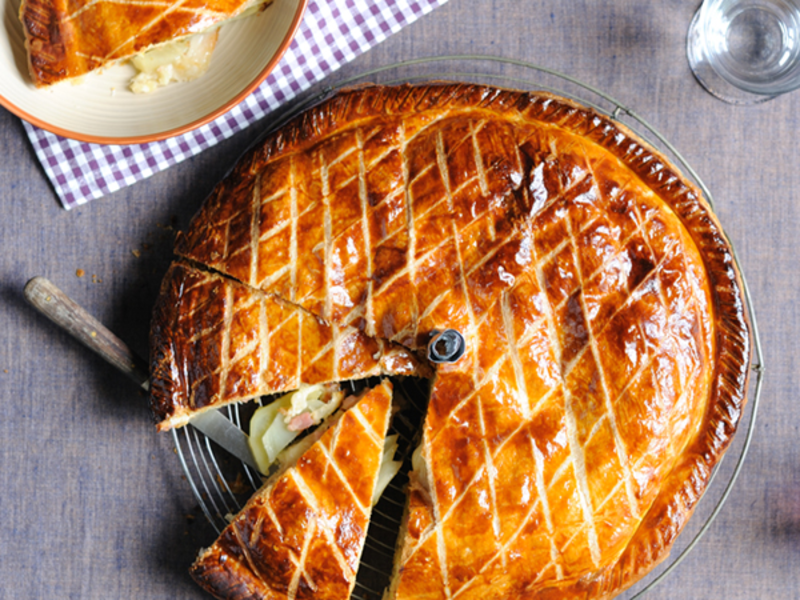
(64, 312)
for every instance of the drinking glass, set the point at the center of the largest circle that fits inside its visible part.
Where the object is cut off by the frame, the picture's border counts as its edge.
(746, 51)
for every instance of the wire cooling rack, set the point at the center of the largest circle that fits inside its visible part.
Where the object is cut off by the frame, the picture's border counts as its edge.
(221, 488)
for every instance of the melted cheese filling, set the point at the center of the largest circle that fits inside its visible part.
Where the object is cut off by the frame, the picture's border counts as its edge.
(181, 60)
(270, 426)
(388, 469)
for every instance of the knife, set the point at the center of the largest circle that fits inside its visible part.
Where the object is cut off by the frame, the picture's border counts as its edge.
(53, 303)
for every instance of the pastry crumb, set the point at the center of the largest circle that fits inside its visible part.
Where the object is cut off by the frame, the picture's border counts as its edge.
(80, 273)
(136, 253)
(238, 486)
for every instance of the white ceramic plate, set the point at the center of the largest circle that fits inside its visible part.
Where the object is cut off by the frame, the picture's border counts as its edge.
(101, 108)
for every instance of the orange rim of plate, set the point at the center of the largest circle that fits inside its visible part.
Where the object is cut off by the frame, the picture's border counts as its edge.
(162, 135)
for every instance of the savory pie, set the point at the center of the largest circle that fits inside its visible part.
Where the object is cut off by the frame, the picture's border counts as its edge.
(607, 346)
(171, 41)
(301, 535)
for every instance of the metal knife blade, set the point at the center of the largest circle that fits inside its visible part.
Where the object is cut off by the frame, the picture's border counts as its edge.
(221, 430)
(53, 303)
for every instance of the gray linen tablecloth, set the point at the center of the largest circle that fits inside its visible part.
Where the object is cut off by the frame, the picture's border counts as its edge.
(92, 500)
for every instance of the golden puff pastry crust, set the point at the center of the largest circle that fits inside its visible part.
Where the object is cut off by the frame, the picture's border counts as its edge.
(301, 535)
(607, 341)
(67, 39)
(216, 341)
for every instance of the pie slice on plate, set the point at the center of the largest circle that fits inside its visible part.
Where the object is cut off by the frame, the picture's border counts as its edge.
(66, 40)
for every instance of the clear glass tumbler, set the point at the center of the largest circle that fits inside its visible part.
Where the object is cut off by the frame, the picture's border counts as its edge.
(746, 51)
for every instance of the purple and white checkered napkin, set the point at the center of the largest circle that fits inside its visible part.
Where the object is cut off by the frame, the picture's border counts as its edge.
(333, 33)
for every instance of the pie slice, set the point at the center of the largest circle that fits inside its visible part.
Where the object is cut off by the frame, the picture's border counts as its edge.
(301, 535)
(216, 341)
(607, 346)
(69, 39)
